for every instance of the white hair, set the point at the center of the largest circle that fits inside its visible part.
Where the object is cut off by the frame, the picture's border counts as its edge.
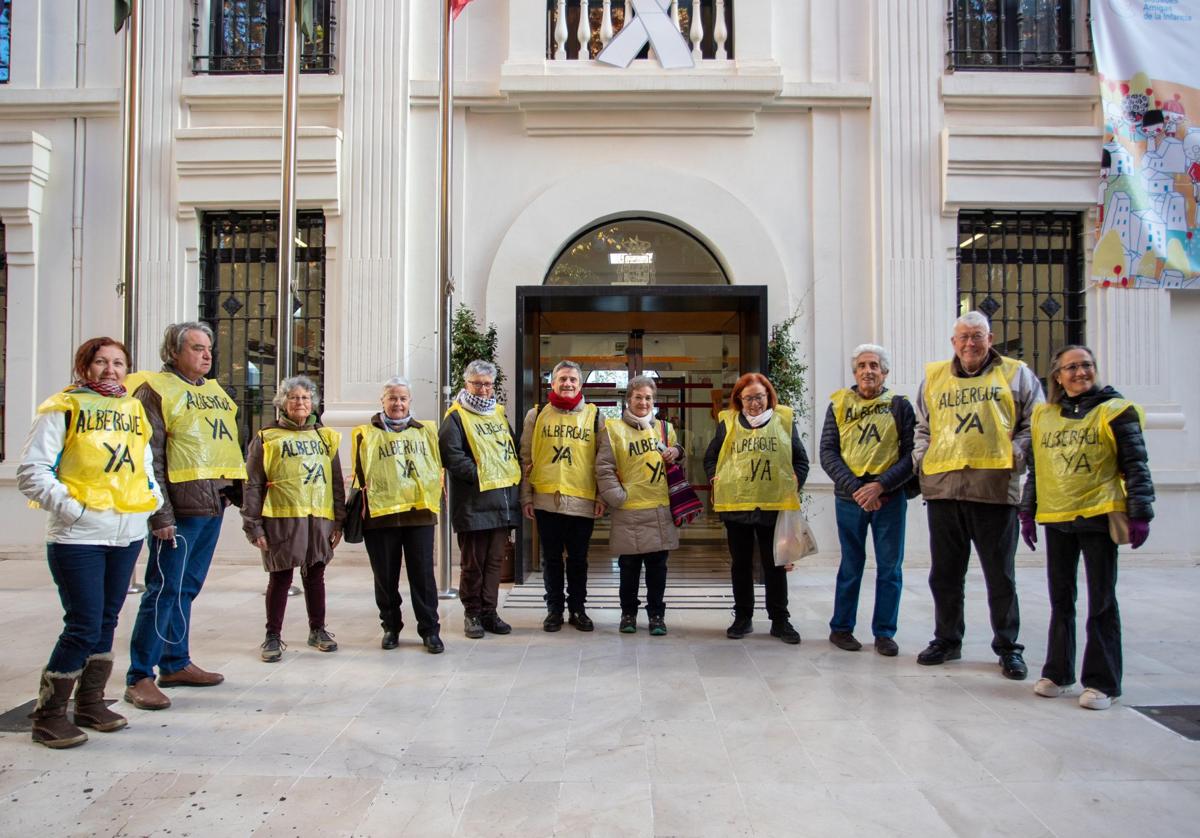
(480, 367)
(566, 365)
(296, 382)
(395, 381)
(974, 320)
(885, 360)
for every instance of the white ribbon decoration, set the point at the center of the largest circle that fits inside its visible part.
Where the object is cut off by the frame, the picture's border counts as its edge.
(651, 25)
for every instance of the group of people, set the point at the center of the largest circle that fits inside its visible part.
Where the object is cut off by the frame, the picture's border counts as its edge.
(116, 458)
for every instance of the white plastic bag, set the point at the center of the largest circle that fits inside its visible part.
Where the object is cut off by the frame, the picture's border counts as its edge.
(793, 537)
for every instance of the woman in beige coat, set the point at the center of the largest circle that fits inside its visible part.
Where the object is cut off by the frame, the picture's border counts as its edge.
(631, 465)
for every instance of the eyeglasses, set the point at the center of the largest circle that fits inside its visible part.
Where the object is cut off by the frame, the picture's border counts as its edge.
(481, 385)
(973, 337)
(1079, 366)
(761, 397)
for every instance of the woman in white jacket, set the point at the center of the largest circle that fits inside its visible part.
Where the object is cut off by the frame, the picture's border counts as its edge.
(88, 463)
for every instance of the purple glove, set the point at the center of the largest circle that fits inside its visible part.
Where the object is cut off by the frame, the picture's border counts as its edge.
(1029, 529)
(1139, 531)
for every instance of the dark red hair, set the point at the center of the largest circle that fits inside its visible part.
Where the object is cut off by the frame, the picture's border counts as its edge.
(86, 353)
(735, 398)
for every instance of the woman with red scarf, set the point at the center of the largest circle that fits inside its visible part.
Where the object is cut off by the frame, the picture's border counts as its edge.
(88, 463)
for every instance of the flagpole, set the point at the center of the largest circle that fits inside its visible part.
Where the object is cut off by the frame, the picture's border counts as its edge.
(128, 285)
(445, 297)
(286, 253)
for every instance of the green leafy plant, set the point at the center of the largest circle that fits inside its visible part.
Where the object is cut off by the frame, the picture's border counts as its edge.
(468, 342)
(785, 368)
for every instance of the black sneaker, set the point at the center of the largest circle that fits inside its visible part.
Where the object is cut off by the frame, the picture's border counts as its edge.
(433, 644)
(272, 648)
(391, 639)
(1012, 664)
(845, 641)
(553, 621)
(493, 623)
(658, 626)
(628, 623)
(938, 652)
(581, 620)
(887, 647)
(740, 628)
(784, 631)
(322, 639)
(472, 627)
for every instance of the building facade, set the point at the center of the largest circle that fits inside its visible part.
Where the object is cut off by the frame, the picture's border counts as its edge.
(875, 166)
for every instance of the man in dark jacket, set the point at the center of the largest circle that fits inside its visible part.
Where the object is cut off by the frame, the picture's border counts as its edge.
(866, 449)
(476, 443)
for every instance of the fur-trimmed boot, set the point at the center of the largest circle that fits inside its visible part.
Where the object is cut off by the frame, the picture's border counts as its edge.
(90, 709)
(50, 725)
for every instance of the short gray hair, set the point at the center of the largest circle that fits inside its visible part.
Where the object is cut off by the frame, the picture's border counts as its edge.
(302, 382)
(641, 382)
(885, 360)
(395, 381)
(565, 364)
(175, 337)
(974, 320)
(480, 367)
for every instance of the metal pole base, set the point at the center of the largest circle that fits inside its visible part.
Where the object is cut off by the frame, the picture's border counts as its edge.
(293, 590)
(449, 593)
(135, 587)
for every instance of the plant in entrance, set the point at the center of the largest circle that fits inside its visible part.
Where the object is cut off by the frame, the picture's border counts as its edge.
(469, 343)
(785, 368)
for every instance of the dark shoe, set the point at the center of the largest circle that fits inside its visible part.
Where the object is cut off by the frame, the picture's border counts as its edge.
(391, 639)
(90, 707)
(740, 627)
(191, 676)
(845, 641)
(272, 648)
(886, 647)
(658, 626)
(553, 621)
(581, 620)
(144, 695)
(50, 725)
(493, 623)
(322, 640)
(1013, 666)
(784, 631)
(433, 644)
(472, 627)
(628, 623)
(938, 652)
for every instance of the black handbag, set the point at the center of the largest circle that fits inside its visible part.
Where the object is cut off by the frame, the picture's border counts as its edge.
(352, 527)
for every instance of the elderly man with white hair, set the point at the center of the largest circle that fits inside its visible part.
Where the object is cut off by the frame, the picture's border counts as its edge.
(866, 449)
(970, 449)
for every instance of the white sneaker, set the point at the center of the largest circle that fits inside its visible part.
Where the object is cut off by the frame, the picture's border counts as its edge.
(1094, 700)
(1048, 689)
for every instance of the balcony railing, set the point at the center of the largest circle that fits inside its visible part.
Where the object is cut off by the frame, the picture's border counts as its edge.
(706, 24)
(245, 37)
(1029, 35)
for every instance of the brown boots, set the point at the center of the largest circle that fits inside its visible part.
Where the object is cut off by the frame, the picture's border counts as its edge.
(50, 725)
(90, 709)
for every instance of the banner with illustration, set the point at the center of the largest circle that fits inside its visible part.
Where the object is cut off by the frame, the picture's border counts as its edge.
(1148, 234)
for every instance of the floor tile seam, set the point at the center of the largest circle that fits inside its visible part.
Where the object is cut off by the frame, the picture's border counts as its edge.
(325, 750)
(504, 705)
(1024, 805)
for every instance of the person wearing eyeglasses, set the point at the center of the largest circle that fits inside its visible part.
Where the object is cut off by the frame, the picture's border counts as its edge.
(478, 453)
(757, 466)
(970, 449)
(1089, 465)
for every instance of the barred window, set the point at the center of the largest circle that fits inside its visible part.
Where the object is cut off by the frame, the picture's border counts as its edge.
(3, 336)
(1018, 35)
(239, 284)
(1024, 270)
(247, 36)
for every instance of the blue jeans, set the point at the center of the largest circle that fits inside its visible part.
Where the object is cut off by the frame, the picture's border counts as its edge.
(92, 581)
(174, 577)
(887, 530)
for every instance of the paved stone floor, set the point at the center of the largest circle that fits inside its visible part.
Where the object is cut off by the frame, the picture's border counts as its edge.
(607, 734)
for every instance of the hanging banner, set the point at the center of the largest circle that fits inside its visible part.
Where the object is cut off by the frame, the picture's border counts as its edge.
(1148, 198)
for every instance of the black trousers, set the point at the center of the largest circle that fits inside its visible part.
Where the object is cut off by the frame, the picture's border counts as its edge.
(1102, 650)
(656, 582)
(741, 538)
(992, 527)
(482, 552)
(385, 548)
(571, 533)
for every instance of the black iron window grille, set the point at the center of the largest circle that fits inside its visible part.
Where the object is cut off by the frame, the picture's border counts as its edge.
(1040, 35)
(3, 336)
(708, 43)
(1024, 270)
(238, 297)
(246, 37)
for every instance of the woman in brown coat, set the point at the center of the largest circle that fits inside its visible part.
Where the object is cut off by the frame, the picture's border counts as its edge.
(293, 508)
(631, 462)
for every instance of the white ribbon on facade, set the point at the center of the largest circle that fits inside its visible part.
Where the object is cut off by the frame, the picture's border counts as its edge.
(650, 25)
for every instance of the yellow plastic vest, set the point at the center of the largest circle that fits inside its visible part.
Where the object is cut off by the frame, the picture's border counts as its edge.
(202, 431)
(754, 466)
(564, 452)
(870, 440)
(1075, 462)
(970, 419)
(492, 446)
(299, 469)
(639, 463)
(403, 470)
(103, 457)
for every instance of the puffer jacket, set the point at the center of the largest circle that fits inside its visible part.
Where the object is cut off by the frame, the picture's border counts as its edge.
(982, 485)
(560, 503)
(291, 542)
(757, 517)
(191, 498)
(634, 531)
(412, 518)
(470, 509)
(1132, 461)
(69, 522)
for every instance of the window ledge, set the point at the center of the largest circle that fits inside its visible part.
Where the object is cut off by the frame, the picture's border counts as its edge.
(1026, 91)
(257, 92)
(54, 103)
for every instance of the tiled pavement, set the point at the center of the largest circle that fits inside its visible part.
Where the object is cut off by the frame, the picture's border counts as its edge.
(607, 734)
